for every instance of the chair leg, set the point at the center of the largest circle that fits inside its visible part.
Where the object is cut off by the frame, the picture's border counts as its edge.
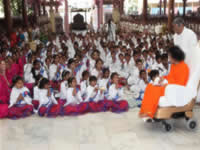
(189, 114)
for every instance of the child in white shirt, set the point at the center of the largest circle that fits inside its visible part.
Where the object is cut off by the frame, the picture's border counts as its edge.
(63, 87)
(20, 100)
(48, 104)
(115, 93)
(75, 104)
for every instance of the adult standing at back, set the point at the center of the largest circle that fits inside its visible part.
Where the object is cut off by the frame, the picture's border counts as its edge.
(184, 37)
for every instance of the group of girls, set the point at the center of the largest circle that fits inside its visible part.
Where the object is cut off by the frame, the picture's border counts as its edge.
(78, 74)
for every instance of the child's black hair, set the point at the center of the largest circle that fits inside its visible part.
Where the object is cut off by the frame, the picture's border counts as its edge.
(158, 56)
(43, 82)
(98, 61)
(142, 71)
(64, 74)
(35, 62)
(16, 79)
(85, 73)
(138, 61)
(164, 56)
(105, 70)
(153, 73)
(92, 78)
(70, 80)
(113, 75)
(71, 61)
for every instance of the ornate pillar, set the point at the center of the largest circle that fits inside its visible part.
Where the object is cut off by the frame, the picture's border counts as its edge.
(160, 7)
(52, 16)
(144, 11)
(121, 6)
(184, 7)
(66, 19)
(44, 7)
(39, 7)
(170, 14)
(8, 19)
(100, 12)
(24, 12)
(165, 5)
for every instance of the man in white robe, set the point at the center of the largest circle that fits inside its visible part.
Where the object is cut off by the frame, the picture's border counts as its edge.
(185, 38)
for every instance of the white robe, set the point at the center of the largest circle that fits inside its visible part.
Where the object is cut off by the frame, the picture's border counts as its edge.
(93, 95)
(187, 41)
(63, 90)
(15, 94)
(44, 99)
(71, 99)
(115, 94)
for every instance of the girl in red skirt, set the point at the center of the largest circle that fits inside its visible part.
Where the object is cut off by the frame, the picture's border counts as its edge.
(63, 87)
(74, 105)
(20, 100)
(115, 93)
(94, 95)
(48, 104)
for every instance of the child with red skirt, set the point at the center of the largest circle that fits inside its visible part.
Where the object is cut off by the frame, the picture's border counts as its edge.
(63, 87)
(48, 104)
(94, 95)
(74, 105)
(20, 100)
(115, 93)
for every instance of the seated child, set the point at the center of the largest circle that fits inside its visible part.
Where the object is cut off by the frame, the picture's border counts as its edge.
(103, 83)
(64, 87)
(94, 95)
(74, 104)
(48, 104)
(140, 87)
(115, 94)
(155, 78)
(20, 101)
(84, 82)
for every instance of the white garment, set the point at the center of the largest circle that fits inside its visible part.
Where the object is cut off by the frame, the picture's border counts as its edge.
(15, 94)
(84, 85)
(46, 100)
(187, 40)
(36, 93)
(111, 31)
(71, 99)
(114, 93)
(63, 90)
(53, 72)
(93, 95)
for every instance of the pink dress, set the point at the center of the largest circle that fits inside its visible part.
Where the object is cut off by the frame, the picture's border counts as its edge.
(4, 97)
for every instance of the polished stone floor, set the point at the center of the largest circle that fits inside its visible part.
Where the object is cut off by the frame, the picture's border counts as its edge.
(102, 131)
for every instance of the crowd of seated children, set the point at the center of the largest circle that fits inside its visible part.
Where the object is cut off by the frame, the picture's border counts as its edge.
(77, 74)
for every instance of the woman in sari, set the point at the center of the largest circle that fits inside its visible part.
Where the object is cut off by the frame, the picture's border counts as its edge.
(4, 90)
(179, 74)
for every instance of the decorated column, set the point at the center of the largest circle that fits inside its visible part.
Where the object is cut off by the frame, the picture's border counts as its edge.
(165, 5)
(144, 11)
(52, 16)
(24, 12)
(116, 12)
(44, 7)
(160, 7)
(121, 6)
(8, 18)
(66, 20)
(99, 4)
(184, 7)
(170, 14)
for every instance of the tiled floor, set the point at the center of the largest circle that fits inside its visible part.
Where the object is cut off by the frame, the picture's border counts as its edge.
(102, 131)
